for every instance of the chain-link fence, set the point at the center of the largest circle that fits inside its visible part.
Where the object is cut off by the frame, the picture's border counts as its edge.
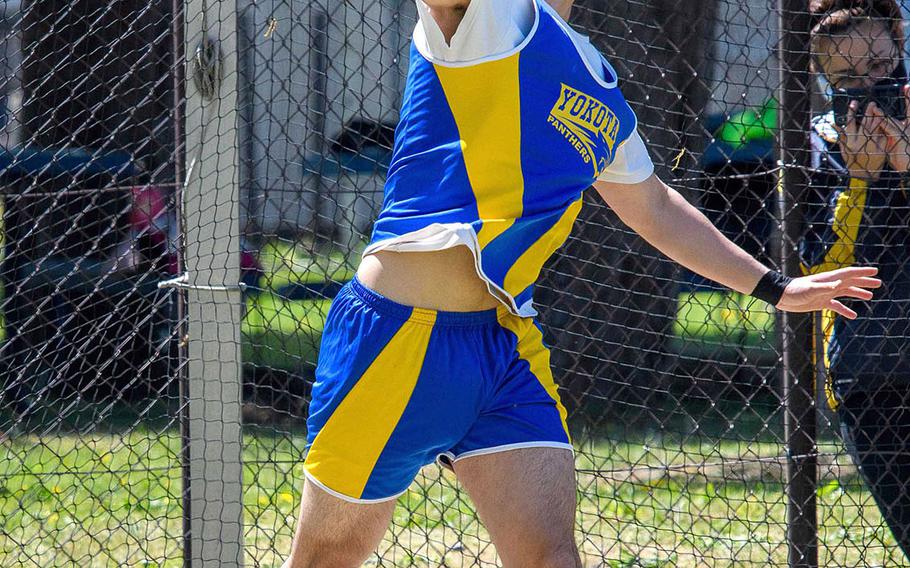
(187, 185)
(90, 468)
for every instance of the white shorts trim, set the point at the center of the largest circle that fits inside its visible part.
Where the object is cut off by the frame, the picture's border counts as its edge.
(505, 448)
(310, 477)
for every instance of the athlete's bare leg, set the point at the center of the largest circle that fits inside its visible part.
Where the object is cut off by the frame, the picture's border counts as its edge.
(526, 498)
(333, 533)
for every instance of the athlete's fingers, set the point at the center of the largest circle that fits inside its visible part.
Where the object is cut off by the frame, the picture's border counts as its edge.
(846, 273)
(856, 271)
(864, 282)
(841, 309)
(854, 292)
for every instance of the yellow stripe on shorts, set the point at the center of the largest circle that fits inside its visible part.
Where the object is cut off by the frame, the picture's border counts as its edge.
(531, 349)
(345, 451)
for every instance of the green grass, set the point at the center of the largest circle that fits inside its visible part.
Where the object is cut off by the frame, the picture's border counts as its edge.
(722, 323)
(284, 334)
(123, 506)
(280, 333)
(285, 263)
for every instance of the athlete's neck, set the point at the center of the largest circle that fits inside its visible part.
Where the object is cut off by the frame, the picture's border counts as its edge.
(562, 7)
(448, 14)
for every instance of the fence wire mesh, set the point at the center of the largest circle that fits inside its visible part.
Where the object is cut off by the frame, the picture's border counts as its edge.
(254, 209)
(90, 469)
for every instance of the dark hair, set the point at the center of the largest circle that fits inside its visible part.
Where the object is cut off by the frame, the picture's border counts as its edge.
(833, 17)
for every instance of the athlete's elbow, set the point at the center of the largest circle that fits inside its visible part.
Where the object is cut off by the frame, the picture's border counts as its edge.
(641, 220)
(649, 220)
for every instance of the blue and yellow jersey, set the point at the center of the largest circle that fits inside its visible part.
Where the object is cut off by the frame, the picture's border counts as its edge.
(865, 223)
(495, 155)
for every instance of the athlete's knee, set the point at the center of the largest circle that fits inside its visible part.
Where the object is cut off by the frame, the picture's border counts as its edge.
(564, 555)
(324, 561)
(336, 539)
(552, 554)
(334, 533)
(327, 551)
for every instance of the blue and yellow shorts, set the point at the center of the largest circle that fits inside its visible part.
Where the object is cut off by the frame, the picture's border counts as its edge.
(397, 387)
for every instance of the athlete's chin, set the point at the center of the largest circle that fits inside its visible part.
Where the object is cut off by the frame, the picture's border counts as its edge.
(447, 4)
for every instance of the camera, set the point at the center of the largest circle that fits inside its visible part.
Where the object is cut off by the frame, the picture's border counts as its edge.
(888, 96)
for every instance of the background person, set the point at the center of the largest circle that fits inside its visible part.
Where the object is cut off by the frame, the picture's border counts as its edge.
(862, 216)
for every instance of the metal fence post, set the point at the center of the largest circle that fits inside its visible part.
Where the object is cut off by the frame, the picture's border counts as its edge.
(798, 373)
(212, 212)
(179, 77)
(317, 102)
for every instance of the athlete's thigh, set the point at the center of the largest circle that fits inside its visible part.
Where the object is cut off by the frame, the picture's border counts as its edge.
(526, 498)
(335, 533)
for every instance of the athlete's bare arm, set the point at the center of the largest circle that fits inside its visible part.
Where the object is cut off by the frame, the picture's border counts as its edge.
(672, 225)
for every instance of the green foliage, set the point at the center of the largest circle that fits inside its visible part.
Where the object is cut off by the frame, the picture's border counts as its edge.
(282, 334)
(298, 263)
(750, 125)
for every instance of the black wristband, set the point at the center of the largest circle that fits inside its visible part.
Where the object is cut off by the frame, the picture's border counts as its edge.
(771, 287)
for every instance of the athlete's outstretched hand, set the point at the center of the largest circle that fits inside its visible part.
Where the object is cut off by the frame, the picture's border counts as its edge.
(821, 291)
(660, 215)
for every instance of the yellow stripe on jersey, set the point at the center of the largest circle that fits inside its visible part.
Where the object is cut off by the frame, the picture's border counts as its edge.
(485, 102)
(531, 349)
(527, 268)
(848, 215)
(348, 446)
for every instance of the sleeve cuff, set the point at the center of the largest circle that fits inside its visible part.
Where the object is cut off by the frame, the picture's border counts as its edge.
(628, 178)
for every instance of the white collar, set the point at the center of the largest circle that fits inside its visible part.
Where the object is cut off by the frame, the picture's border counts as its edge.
(488, 28)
